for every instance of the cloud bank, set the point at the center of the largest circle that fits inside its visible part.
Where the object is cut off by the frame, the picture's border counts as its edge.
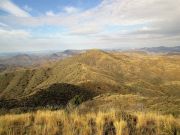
(111, 24)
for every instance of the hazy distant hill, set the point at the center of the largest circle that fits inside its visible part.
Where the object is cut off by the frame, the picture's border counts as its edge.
(13, 60)
(64, 54)
(152, 78)
(162, 49)
(20, 60)
(9, 60)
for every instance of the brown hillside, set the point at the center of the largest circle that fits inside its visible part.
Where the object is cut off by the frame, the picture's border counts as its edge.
(151, 76)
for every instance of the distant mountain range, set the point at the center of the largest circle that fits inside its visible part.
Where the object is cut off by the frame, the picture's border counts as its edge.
(162, 49)
(13, 60)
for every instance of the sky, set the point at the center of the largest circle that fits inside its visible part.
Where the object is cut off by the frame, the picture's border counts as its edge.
(37, 25)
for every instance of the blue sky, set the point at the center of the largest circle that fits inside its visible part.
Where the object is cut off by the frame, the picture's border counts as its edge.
(41, 6)
(35, 25)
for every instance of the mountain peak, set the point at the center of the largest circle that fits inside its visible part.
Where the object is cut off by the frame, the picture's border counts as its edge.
(95, 52)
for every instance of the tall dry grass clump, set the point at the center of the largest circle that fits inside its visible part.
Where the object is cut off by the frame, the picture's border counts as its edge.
(101, 123)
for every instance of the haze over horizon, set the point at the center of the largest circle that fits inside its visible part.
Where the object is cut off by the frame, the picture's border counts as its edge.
(45, 25)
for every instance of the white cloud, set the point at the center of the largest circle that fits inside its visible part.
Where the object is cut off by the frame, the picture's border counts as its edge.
(27, 8)
(157, 20)
(4, 34)
(12, 9)
(50, 13)
(66, 10)
(154, 14)
(3, 25)
(71, 10)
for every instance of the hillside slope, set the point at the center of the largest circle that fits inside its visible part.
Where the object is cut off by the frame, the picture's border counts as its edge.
(96, 66)
(57, 95)
(101, 72)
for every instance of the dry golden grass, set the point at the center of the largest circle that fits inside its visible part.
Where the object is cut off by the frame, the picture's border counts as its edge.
(101, 123)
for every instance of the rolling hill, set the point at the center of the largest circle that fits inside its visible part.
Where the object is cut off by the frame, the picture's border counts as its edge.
(150, 79)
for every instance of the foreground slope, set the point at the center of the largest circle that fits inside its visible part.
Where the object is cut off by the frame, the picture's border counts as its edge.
(101, 123)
